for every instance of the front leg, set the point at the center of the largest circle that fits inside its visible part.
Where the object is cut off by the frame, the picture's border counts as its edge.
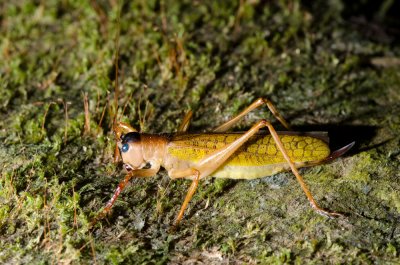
(139, 173)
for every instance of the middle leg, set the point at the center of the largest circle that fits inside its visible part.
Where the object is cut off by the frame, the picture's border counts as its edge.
(192, 189)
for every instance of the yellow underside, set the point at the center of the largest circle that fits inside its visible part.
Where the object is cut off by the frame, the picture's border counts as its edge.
(260, 150)
(249, 172)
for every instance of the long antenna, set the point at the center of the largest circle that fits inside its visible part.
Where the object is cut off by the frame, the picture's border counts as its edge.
(116, 84)
(116, 61)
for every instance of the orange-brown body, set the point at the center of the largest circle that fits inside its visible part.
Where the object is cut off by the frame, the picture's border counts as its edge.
(258, 157)
(242, 155)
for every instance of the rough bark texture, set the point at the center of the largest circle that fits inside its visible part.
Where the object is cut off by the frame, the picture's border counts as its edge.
(328, 65)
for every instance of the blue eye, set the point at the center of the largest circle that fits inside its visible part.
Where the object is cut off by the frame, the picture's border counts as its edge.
(125, 148)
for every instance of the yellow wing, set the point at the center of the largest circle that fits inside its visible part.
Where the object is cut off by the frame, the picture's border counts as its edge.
(260, 150)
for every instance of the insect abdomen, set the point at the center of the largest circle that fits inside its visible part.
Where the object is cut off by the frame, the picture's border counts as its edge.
(260, 150)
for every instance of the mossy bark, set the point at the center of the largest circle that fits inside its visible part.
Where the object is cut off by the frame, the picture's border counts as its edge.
(328, 66)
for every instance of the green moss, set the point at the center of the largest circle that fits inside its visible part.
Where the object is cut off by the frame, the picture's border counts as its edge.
(315, 63)
(361, 170)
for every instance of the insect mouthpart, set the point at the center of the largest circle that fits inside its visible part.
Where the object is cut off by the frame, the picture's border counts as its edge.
(128, 167)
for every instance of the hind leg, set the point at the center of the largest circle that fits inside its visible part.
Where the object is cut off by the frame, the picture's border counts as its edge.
(258, 103)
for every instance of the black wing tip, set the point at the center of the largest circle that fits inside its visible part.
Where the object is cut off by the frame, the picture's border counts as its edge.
(341, 151)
